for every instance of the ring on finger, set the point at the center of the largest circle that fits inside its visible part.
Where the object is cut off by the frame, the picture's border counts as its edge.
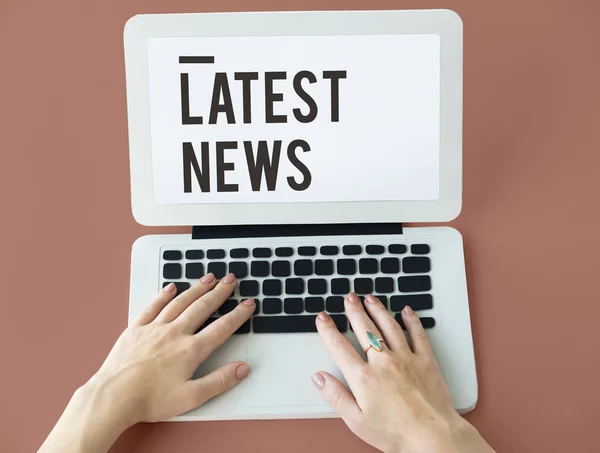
(374, 342)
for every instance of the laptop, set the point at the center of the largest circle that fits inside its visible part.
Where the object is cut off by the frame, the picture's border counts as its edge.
(297, 145)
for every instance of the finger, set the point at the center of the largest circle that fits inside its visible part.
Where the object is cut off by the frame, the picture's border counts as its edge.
(388, 326)
(200, 310)
(156, 306)
(214, 335)
(338, 397)
(418, 338)
(340, 349)
(199, 391)
(361, 323)
(186, 298)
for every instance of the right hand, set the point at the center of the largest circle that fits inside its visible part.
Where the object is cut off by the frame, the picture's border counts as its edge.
(399, 401)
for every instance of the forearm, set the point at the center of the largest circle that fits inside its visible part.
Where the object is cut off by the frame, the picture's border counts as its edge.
(87, 424)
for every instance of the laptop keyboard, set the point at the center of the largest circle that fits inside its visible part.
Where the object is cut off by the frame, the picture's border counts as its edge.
(291, 285)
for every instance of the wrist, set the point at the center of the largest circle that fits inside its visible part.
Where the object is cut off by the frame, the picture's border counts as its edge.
(462, 437)
(106, 407)
(87, 424)
(456, 435)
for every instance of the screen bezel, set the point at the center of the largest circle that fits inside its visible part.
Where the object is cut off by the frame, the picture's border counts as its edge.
(445, 23)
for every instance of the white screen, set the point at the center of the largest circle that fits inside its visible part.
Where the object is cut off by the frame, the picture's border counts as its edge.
(367, 129)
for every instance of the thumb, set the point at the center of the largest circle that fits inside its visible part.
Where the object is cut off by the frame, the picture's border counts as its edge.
(337, 395)
(217, 382)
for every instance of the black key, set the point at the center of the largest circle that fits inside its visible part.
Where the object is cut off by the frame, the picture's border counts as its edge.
(397, 249)
(317, 286)
(368, 266)
(261, 252)
(428, 323)
(294, 286)
(284, 251)
(307, 251)
(239, 269)
(352, 249)
(272, 306)
(257, 309)
(340, 286)
(239, 253)
(330, 250)
(172, 255)
(346, 267)
(281, 269)
(314, 304)
(324, 267)
(383, 300)
(303, 267)
(219, 269)
(293, 324)
(335, 304)
(228, 305)
(384, 285)
(194, 254)
(375, 249)
(419, 249)
(272, 287)
(363, 285)
(414, 284)
(172, 271)
(249, 288)
(245, 328)
(181, 286)
(415, 301)
(416, 265)
(293, 305)
(194, 270)
(215, 254)
(390, 265)
(259, 268)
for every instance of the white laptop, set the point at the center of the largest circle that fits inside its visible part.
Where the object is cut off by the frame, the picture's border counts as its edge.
(296, 144)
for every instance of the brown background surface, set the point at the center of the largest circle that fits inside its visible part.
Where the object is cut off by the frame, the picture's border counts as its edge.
(530, 220)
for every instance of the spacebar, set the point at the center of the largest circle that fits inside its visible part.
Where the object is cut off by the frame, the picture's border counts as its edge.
(293, 324)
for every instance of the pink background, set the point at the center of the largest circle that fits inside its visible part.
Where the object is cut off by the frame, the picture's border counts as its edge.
(530, 220)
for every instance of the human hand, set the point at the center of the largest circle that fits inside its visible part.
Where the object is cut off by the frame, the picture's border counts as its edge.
(399, 401)
(147, 375)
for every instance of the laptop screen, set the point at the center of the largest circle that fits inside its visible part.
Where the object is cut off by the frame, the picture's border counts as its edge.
(280, 119)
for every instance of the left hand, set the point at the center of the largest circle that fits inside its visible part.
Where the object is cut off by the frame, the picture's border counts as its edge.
(147, 375)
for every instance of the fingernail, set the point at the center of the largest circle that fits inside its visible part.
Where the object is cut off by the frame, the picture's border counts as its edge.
(207, 278)
(352, 298)
(229, 278)
(371, 299)
(324, 316)
(242, 371)
(248, 302)
(318, 380)
(169, 288)
(408, 310)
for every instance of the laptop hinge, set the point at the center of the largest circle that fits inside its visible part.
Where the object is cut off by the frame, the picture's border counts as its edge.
(259, 231)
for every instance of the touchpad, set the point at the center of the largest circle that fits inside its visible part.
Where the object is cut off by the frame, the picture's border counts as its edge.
(282, 366)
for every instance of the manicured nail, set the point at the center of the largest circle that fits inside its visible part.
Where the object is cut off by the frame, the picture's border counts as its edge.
(352, 298)
(229, 278)
(324, 316)
(248, 302)
(371, 299)
(169, 288)
(208, 278)
(318, 380)
(242, 371)
(408, 310)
